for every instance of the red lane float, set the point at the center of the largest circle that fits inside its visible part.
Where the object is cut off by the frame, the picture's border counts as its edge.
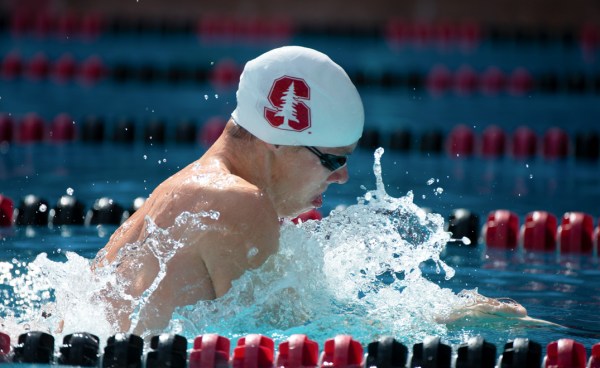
(445, 34)
(92, 70)
(466, 80)
(91, 26)
(493, 81)
(538, 233)
(461, 141)
(466, 34)
(342, 352)
(64, 69)
(12, 66)
(43, 24)
(68, 25)
(493, 142)
(38, 67)
(565, 353)
(501, 229)
(597, 238)
(520, 82)
(556, 144)
(524, 143)
(6, 211)
(575, 233)
(439, 80)
(298, 352)
(21, 21)
(62, 128)
(210, 351)
(4, 347)
(211, 130)
(589, 37)
(6, 128)
(225, 74)
(253, 351)
(31, 129)
(469, 34)
(395, 31)
(594, 361)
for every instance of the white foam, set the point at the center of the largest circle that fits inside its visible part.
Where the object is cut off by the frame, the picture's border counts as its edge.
(356, 271)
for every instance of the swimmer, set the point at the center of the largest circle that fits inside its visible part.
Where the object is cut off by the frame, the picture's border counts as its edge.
(298, 117)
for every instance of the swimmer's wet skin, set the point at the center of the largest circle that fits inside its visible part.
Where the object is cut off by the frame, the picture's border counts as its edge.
(171, 254)
(288, 99)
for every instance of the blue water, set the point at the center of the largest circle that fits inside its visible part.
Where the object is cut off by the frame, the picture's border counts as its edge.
(125, 172)
(561, 289)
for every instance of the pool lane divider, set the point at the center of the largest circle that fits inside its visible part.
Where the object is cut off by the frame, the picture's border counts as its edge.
(6, 211)
(89, 26)
(31, 129)
(224, 75)
(574, 235)
(298, 351)
(461, 141)
(540, 231)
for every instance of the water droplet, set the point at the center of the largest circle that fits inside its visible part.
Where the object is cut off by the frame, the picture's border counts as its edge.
(43, 208)
(206, 97)
(216, 96)
(438, 190)
(164, 160)
(145, 157)
(466, 240)
(252, 252)
(430, 181)
(530, 176)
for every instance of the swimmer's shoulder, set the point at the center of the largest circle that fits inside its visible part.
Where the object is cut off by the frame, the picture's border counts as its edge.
(201, 187)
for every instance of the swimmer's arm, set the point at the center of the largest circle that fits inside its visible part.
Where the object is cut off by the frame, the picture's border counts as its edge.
(250, 234)
(484, 310)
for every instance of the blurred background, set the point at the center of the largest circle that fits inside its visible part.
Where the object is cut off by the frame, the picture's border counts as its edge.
(497, 101)
(372, 13)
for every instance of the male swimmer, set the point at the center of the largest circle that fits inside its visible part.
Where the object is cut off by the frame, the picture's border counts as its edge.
(298, 117)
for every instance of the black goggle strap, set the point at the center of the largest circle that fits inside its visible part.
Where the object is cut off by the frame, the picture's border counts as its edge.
(331, 162)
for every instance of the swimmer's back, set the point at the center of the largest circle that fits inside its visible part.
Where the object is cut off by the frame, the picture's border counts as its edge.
(238, 229)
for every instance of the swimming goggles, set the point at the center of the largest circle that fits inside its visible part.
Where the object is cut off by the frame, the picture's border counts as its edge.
(331, 162)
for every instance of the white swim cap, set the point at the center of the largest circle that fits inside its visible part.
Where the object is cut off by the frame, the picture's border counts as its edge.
(297, 96)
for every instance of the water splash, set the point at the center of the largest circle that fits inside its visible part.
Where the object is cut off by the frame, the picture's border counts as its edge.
(356, 271)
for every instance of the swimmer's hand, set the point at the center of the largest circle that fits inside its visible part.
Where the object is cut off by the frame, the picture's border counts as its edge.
(483, 310)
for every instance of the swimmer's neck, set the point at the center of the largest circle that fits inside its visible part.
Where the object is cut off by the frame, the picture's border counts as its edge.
(250, 160)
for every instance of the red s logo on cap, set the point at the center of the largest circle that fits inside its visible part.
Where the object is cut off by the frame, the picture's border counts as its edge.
(287, 110)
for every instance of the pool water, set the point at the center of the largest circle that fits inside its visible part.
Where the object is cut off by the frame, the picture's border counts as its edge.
(374, 298)
(562, 289)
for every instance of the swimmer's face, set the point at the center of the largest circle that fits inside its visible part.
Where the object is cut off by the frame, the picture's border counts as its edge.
(306, 176)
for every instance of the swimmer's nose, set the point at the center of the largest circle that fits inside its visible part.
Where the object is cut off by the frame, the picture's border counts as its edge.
(339, 176)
